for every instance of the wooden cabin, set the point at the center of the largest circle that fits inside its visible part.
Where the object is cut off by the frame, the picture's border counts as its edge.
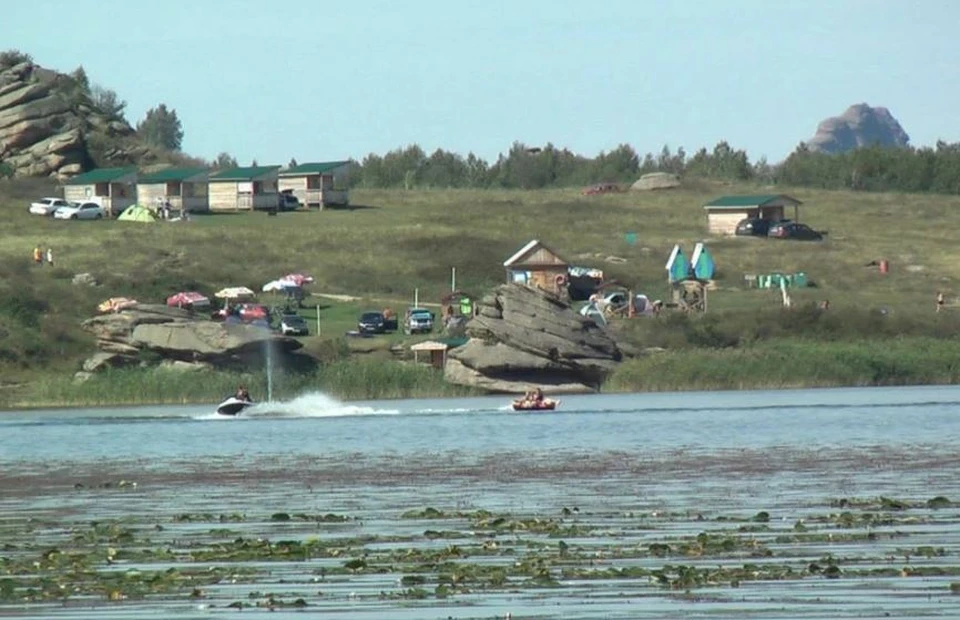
(243, 189)
(185, 189)
(724, 213)
(316, 184)
(537, 265)
(114, 189)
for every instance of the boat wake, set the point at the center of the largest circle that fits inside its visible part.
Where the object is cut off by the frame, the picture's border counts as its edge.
(313, 405)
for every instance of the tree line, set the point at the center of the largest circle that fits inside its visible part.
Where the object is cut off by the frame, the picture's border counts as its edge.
(873, 168)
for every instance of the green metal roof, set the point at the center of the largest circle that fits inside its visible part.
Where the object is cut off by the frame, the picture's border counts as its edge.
(753, 200)
(243, 174)
(313, 168)
(101, 175)
(170, 174)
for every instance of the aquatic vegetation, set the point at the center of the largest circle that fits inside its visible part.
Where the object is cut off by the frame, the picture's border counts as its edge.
(180, 556)
(939, 502)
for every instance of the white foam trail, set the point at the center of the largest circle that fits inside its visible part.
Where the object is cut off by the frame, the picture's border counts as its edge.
(213, 416)
(441, 411)
(313, 405)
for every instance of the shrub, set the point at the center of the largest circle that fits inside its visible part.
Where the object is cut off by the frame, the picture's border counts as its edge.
(10, 58)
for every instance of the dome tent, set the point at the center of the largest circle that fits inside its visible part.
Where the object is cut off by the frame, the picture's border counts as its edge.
(137, 213)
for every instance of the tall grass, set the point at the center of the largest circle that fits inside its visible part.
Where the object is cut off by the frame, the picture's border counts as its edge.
(793, 364)
(347, 379)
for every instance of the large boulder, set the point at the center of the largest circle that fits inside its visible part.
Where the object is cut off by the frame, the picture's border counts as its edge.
(174, 334)
(522, 336)
(655, 181)
(861, 125)
(48, 124)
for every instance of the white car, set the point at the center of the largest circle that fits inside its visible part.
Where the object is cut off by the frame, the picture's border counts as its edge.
(80, 211)
(47, 206)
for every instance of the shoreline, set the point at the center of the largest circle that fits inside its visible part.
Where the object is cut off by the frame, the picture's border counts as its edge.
(755, 387)
(770, 365)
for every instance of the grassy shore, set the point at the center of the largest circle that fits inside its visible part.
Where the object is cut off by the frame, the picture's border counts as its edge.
(396, 242)
(347, 380)
(793, 364)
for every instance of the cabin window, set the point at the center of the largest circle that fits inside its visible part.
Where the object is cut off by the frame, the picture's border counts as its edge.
(313, 182)
(173, 189)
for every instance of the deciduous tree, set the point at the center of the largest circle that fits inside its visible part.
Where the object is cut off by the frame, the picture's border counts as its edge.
(107, 101)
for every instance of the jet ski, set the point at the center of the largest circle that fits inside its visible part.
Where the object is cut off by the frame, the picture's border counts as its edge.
(233, 406)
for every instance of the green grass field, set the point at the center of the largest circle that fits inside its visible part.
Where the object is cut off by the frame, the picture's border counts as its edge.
(397, 241)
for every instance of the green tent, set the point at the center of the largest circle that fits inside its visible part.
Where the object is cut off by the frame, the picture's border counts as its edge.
(137, 213)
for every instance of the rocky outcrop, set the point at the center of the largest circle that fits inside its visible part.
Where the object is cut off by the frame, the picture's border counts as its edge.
(861, 125)
(47, 122)
(656, 180)
(524, 336)
(171, 335)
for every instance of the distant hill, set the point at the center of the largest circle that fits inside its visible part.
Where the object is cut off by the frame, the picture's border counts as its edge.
(861, 125)
(51, 126)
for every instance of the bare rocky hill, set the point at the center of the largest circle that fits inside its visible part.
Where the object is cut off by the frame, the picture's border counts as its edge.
(49, 126)
(861, 125)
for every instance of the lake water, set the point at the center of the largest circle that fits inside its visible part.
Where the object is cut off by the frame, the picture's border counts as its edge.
(773, 504)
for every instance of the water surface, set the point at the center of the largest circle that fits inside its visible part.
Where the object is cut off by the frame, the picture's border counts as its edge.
(612, 476)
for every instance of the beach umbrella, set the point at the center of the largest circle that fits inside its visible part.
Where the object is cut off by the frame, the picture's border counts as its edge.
(235, 292)
(277, 286)
(299, 279)
(188, 298)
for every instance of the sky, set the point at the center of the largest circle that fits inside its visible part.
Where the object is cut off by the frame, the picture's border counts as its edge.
(319, 81)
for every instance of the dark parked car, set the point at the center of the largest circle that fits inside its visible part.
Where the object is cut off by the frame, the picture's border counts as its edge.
(287, 201)
(753, 227)
(371, 323)
(293, 325)
(793, 230)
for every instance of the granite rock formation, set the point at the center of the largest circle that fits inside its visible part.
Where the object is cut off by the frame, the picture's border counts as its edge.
(178, 338)
(524, 336)
(48, 125)
(861, 125)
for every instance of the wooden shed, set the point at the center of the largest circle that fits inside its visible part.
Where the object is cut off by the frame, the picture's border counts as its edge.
(437, 352)
(237, 189)
(114, 189)
(318, 184)
(725, 212)
(537, 265)
(185, 189)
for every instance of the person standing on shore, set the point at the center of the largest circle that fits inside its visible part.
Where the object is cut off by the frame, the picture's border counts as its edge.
(940, 301)
(50, 256)
(38, 255)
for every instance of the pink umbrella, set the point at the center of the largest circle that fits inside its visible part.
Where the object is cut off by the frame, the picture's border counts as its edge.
(299, 279)
(188, 298)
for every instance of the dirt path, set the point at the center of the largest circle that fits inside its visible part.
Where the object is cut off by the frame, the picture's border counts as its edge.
(394, 302)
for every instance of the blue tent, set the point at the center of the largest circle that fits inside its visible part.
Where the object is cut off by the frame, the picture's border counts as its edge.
(678, 267)
(703, 265)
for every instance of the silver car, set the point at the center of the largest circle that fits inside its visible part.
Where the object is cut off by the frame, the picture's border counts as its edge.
(80, 211)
